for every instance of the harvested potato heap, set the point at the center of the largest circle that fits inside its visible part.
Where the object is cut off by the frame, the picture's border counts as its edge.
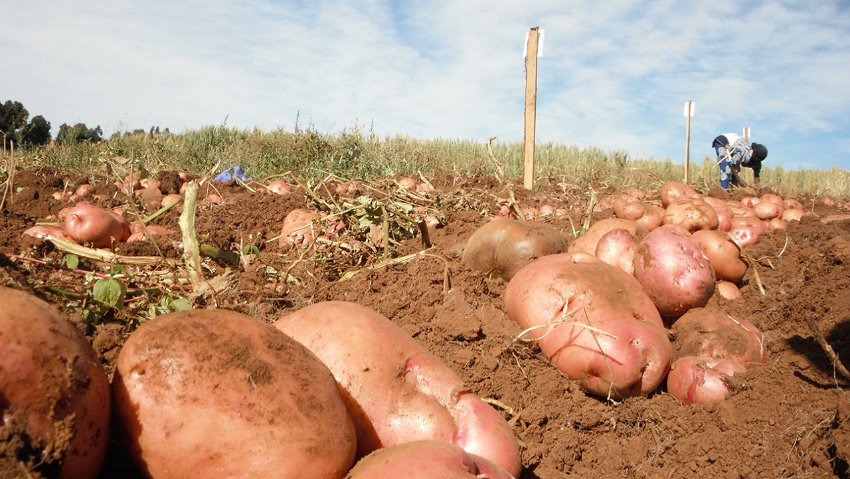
(54, 394)
(599, 311)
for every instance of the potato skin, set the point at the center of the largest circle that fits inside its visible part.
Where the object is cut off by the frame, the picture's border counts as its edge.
(54, 393)
(580, 288)
(215, 393)
(427, 459)
(396, 391)
(724, 256)
(693, 214)
(86, 223)
(617, 248)
(504, 245)
(674, 272)
(672, 190)
(588, 242)
(700, 380)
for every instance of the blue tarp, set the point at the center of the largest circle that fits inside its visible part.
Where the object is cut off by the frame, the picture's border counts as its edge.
(232, 173)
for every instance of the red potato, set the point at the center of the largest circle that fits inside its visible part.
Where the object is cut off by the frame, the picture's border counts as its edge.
(728, 290)
(138, 233)
(710, 333)
(740, 210)
(529, 213)
(693, 214)
(700, 380)
(407, 183)
(628, 354)
(299, 228)
(54, 394)
(396, 391)
(587, 242)
(618, 249)
(723, 211)
(168, 199)
(426, 460)
(149, 183)
(766, 210)
(212, 198)
(673, 271)
(673, 190)
(793, 214)
(724, 256)
(424, 188)
(646, 215)
(86, 223)
(215, 393)
(503, 246)
(792, 204)
(834, 218)
(546, 210)
(750, 201)
(747, 230)
(279, 187)
(83, 190)
(777, 224)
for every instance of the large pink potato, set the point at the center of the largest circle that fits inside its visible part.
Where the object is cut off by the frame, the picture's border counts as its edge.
(588, 242)
(86, 223)
(692, 214)
(215, 393)
(54, 394)
(617, 248)
(723, 211)
(722, 253)
(396, 391)
(673, 271)
(628, 354)
(426, 460)
(504, 245)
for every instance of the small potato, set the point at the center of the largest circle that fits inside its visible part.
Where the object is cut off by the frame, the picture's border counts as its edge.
(626, 354)
(793, 214)
(299, 228)
(646, 215)
(777, 224)
(710, 333)
(426, 460)
(700, 380)
(766, 210)
(279, 187)
(724, 256)
(673, 190)
(407, 183)
(673, 271)
(750, 201)
(792, 204)
(215, 393)
(395, 390)
(728, 290)
(693, 214)
(747, 230)
(618, 248)
(54, 394)
(587, 242)
(503, 246)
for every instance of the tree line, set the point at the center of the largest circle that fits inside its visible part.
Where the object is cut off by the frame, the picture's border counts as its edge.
(17, 127)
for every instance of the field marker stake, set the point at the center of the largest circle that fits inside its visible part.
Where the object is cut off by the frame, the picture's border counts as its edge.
(530, 108)
(689, 112)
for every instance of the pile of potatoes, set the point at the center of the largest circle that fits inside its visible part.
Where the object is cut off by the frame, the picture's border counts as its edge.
(603, 308)
(324, 388)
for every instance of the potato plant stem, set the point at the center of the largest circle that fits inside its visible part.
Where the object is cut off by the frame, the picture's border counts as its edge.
(191, 254)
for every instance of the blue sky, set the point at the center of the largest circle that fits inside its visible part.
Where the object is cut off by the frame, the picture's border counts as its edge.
(614, 74)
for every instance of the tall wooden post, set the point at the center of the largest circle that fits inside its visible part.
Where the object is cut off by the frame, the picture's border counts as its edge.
(530, 108)
(689, 112)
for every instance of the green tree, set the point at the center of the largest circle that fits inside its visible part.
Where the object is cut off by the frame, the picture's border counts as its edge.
(79, 133)
(13, 120)
(37, 132)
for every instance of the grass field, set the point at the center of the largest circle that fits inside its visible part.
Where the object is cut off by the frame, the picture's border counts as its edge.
(354, 153)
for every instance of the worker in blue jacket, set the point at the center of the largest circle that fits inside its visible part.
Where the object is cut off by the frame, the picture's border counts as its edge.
(733, 152)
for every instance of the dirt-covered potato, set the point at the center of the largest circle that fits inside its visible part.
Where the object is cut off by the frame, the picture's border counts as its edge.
(503, 246)
(672, 190)
(646, 215)
(395, 390)
(693, 214)
(587, 242)
(711, 333)
(724, 256)
(426, 460)
(673, 271)
(87, 223)
(594, 323)
(215, 393)
(723, 211)
(54, 394)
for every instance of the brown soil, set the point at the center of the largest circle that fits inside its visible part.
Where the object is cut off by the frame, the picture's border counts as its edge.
(787, 418)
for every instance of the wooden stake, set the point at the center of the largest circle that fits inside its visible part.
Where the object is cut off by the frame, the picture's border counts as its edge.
(530, 108)
(688, 105)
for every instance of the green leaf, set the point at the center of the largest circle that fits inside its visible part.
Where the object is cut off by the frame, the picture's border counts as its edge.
(110, 291)
(71, 261)
(180, 304)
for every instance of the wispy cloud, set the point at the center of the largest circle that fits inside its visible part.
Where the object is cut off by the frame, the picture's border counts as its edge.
(614, 74)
